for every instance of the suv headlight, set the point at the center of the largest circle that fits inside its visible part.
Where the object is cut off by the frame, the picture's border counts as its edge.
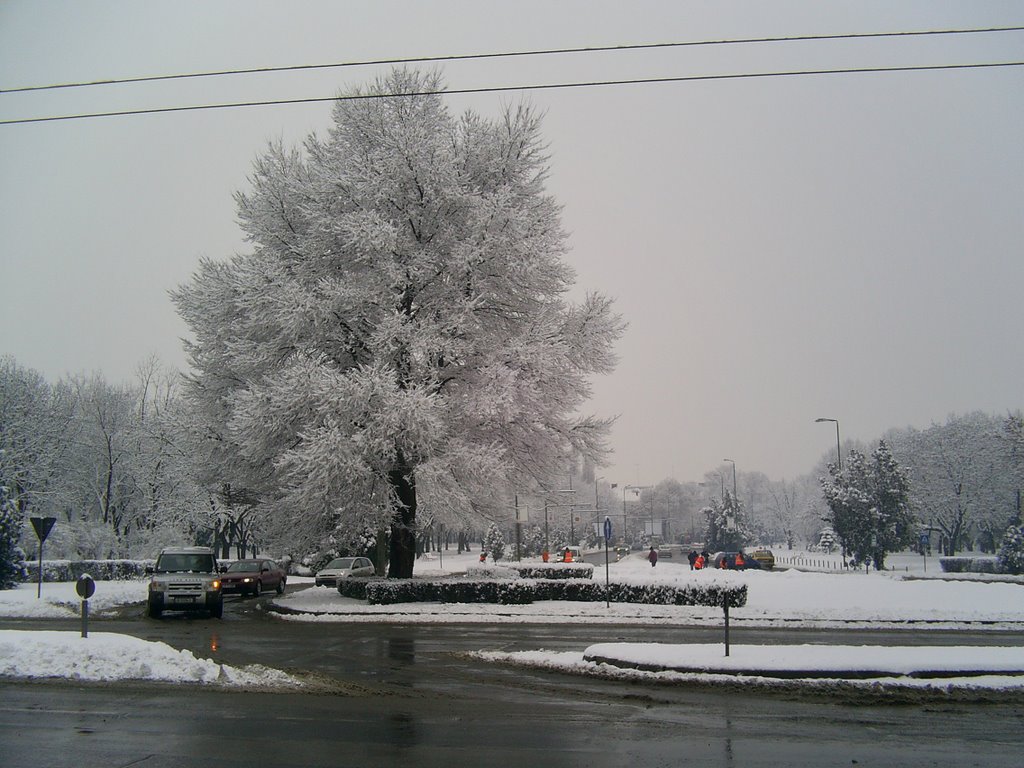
(157, 586)
(213, 586)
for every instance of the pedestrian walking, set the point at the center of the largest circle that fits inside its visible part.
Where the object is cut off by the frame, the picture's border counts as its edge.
(653, 557)
(698, 563)
(692, 557)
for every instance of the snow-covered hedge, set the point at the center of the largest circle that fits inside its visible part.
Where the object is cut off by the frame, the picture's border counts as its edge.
(101, 570)
(390, 591)
(969, 564)
(524, 591)
(556, 571)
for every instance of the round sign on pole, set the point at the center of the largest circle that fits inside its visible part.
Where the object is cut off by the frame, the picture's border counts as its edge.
(85, 586)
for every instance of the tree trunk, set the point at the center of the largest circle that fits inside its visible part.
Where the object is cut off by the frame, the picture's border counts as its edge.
(381, 552)
(402, 554)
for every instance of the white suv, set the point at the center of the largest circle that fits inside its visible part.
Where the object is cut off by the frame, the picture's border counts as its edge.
(185, 579)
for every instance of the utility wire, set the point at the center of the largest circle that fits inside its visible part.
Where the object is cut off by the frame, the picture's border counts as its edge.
(511, 54)
(506, 88)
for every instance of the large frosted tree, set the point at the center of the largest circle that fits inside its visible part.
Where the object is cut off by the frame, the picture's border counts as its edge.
(400, 329)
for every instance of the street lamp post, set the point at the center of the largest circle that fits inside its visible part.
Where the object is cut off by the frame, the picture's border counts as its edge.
(652, 518)
(733, 479)
(839, 453)
(636, 491)
(547, 506)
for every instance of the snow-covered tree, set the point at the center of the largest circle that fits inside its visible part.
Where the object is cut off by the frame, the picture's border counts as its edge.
(12, 558)
(400, 321)
(868, 506)
(725, 523)
(827, 541)
(1011, 551)
(37, 432)
(494, 542)
(964, 475)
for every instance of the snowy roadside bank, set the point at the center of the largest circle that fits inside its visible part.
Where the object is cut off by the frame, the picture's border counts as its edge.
(108, 656)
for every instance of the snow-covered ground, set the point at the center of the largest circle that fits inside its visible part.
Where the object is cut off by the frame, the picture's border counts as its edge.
(105, 656)
(786, 596)
(791, 597)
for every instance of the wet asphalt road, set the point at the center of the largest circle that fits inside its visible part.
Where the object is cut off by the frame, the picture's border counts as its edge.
(404, 695)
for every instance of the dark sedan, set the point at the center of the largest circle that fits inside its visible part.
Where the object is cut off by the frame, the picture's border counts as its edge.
(738, 561)
(251, 577)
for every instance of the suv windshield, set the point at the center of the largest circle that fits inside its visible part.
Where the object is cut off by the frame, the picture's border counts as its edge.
(184, 562)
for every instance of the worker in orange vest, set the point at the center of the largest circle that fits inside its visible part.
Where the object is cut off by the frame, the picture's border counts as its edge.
(740, 562)
(567, 557)
(698, 562)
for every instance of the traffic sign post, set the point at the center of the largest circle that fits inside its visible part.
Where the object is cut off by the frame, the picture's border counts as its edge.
(607, 579)
(85, 587)
(42, 526)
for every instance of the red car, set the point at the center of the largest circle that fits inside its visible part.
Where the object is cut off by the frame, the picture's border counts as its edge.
(251, 577)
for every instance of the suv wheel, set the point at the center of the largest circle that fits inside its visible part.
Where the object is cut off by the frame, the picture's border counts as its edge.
(218, 610)
(154, 611)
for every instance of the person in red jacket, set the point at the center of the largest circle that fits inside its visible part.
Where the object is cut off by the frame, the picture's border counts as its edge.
(653, 557)
(698, 562)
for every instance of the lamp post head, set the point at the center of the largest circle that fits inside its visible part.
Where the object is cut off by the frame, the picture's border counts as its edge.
(818, 421)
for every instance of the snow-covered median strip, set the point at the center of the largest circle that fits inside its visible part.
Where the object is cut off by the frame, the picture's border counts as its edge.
(791, 597)
(808, 661)
(107, 656)
(577, 662)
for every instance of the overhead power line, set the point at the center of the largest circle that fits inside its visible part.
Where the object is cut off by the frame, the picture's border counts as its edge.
(511, 54)
(506, 88)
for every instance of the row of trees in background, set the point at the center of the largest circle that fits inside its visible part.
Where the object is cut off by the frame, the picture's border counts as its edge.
(956, 482)
(114, 464)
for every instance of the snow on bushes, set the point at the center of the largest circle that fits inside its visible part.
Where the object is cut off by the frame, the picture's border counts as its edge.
(1011, 551)
(969, 565)
(524, 591)
(546, 571)
(100, 570)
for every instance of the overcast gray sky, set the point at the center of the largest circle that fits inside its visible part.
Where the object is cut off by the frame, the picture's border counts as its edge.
(844, 246)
